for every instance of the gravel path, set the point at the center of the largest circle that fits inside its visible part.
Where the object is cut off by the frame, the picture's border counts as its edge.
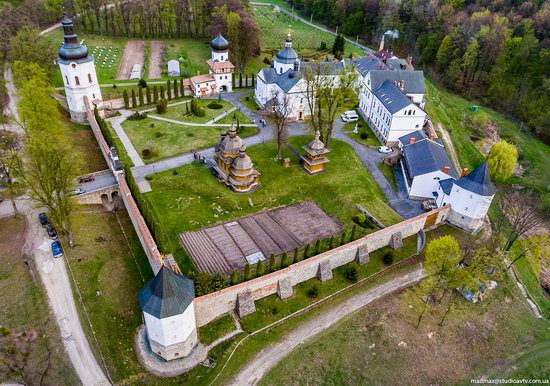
(155, 59)
(270, 356)
(134, 53)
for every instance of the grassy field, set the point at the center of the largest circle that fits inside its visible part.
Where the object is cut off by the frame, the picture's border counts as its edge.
(166, 139)
(25, 307)
(306, 39)
(216, 329)
(86, 145)
(248, 101)
(191, 53)
(371, 140)
(194, 198)
(477, 340)
(450, 110)
(181, 113)
(387, 170)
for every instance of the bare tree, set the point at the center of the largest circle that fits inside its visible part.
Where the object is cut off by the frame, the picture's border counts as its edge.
(518, 217)
(280, 109)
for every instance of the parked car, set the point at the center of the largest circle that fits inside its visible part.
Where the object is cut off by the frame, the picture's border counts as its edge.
(52, 233)
(57, 251)
(429, 205)
(43, 219)
(86, 179)
(350, 116)
(385, 149)
(78, 191)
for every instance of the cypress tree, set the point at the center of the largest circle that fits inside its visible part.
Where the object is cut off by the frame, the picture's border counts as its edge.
(155, 93)
(232, 81)
(353, 230)
(260, 268)
(343, 239)
(168, 89)
(148, 93)
(253, 81)
(161, 92)
(331, 243)
(240, 79)
(186, 108)
(284, 260)
(234, 278)
(318, 246)
(182, 90)
(126, 100)
(134, 103)
(306, 251)
(296, 257)
(247, 272)
(245, 80)
(176, 89)
(140, 96)
(272, 267)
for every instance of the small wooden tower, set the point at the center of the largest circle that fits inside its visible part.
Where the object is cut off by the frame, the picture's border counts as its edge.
(242, 175)
(314, 159)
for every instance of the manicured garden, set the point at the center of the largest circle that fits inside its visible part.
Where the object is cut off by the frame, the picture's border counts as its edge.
(189, 197)
(364, 134)
(155, 140)
(212, 109)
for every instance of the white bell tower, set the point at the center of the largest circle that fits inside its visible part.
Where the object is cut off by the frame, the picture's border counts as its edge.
(78, 72)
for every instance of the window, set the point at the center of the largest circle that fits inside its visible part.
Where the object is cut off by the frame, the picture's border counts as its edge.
(77, 81)
(90, 78)
(437, 178)
(280, 70)
(466, 209)
(222, 58)
(66, 79)
(416, 126)
(414, 112)
(93, 96)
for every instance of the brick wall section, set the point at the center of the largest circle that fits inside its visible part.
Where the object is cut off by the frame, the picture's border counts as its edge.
(211, 306)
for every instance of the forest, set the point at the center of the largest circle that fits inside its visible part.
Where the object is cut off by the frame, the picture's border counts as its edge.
(494, 51)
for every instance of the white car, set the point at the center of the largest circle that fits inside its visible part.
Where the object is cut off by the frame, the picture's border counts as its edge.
(385, 150)
(350, 116)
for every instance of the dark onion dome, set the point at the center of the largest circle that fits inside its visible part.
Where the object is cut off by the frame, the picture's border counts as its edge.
(71, 50)
(287, 56)
(219, 43)
(288, 38)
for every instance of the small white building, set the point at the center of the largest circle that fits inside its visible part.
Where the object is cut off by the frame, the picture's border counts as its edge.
(470, 197)
(136, 72)
(220, 71)
(424, 164)
(78, 73)
(169, 314)
(173, 68)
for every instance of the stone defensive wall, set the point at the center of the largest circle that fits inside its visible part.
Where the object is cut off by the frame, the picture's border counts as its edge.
(242, 296)
(145, 237)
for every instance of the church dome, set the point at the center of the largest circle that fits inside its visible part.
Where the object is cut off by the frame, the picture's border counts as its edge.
(219, 43)
(287, 56)
(232, 143)
(243, 161)
(316, 144)
(71, 49)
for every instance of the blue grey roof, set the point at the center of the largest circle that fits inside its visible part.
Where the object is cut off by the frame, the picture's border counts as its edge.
(285, 81)
(414, 80)
(418, 135)
(447, 185)
(287, 55)
(369, 63)
(425, 157)
(478, 181)
(167, 294)
(71, 50)
(173, 65)
(219, 43)
(391, 97)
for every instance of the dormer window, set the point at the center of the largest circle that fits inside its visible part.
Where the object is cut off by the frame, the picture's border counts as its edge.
(77, 81)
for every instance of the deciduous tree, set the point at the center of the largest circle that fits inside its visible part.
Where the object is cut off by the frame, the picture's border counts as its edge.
(502, 160)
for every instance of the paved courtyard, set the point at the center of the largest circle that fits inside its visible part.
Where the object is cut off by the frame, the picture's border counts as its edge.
(227, 247)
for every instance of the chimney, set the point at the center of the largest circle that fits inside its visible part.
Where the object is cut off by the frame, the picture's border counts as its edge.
(410, 60)
(464, 172)
(446, 169)
(432, 135)
(411, 140)
(402, 85)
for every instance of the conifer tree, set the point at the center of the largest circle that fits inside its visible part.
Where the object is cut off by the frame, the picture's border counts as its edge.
(134, 102)
(240, 79)
(260, 268)
(126, 100)
(343, 238)
(234, 278)
(140, 96)
(306, 251)
(318, 246)
(284, 260)
(162, 92)
(155, 93)
(331, 243)
(148, 93)
(353, 231)
(247, 272)
(296, 256)
(176, 91)
(168, 89)
(272, 266)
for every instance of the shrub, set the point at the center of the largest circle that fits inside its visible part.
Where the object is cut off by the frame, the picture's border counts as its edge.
(267, 61)
(363, 221)
(388, 258)
(323, 46)
(343, 238)
(137, 116)
(351, 272)
(275, 310)
(353, 231)
(331, 243)
(162, 106)
(363, 135)
(197, 109)
(134, 102)
(234, 277)
(247, 275)
(544, 205)
(175, 172)
(149, 178)
(142, 83)
(152, 125)
(126, 99)
(284, 260)
(146, 153)
(313, 291)
(140, 96)
(206, 283)
(214, 106)
(260, 268)
(318, 247)
(158, 134)
(306, 251)
(296, 256)
(272, 266)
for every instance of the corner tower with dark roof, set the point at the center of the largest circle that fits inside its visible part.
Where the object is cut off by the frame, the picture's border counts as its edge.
(78, 73)
(169, 313)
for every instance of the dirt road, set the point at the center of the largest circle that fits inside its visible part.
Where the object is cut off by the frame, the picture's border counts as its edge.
(449, 145)
(274, 353)
(155, 59)
(134, 53)
(58, 288)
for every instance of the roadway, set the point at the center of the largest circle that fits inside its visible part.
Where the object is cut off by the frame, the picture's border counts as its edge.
(101, 181)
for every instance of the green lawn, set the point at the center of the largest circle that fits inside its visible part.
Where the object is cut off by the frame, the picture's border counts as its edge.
(165, 139)
(449, 110)
(183, 113)
(234, 117)
(194, 198)
(216, 329)
(370, 141)
(84, 142)
(192, 54)
(387, 170)
(24, 308)
(248, 101)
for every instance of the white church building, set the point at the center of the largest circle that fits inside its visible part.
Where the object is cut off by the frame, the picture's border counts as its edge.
(78, 72)
(220, 71)
(169, 314)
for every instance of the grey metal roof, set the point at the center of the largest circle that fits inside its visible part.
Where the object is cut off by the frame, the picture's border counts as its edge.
(478, 181)
(286, 55)
(285, 81)
(71, 50)
(369, 63)
(219, 43)
(425, 157)
(167, 294)
(414, 80)
(447, 185)
(418, 135)
(391, 97)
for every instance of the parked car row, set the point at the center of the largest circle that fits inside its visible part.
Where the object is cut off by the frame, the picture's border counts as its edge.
(57, 250)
